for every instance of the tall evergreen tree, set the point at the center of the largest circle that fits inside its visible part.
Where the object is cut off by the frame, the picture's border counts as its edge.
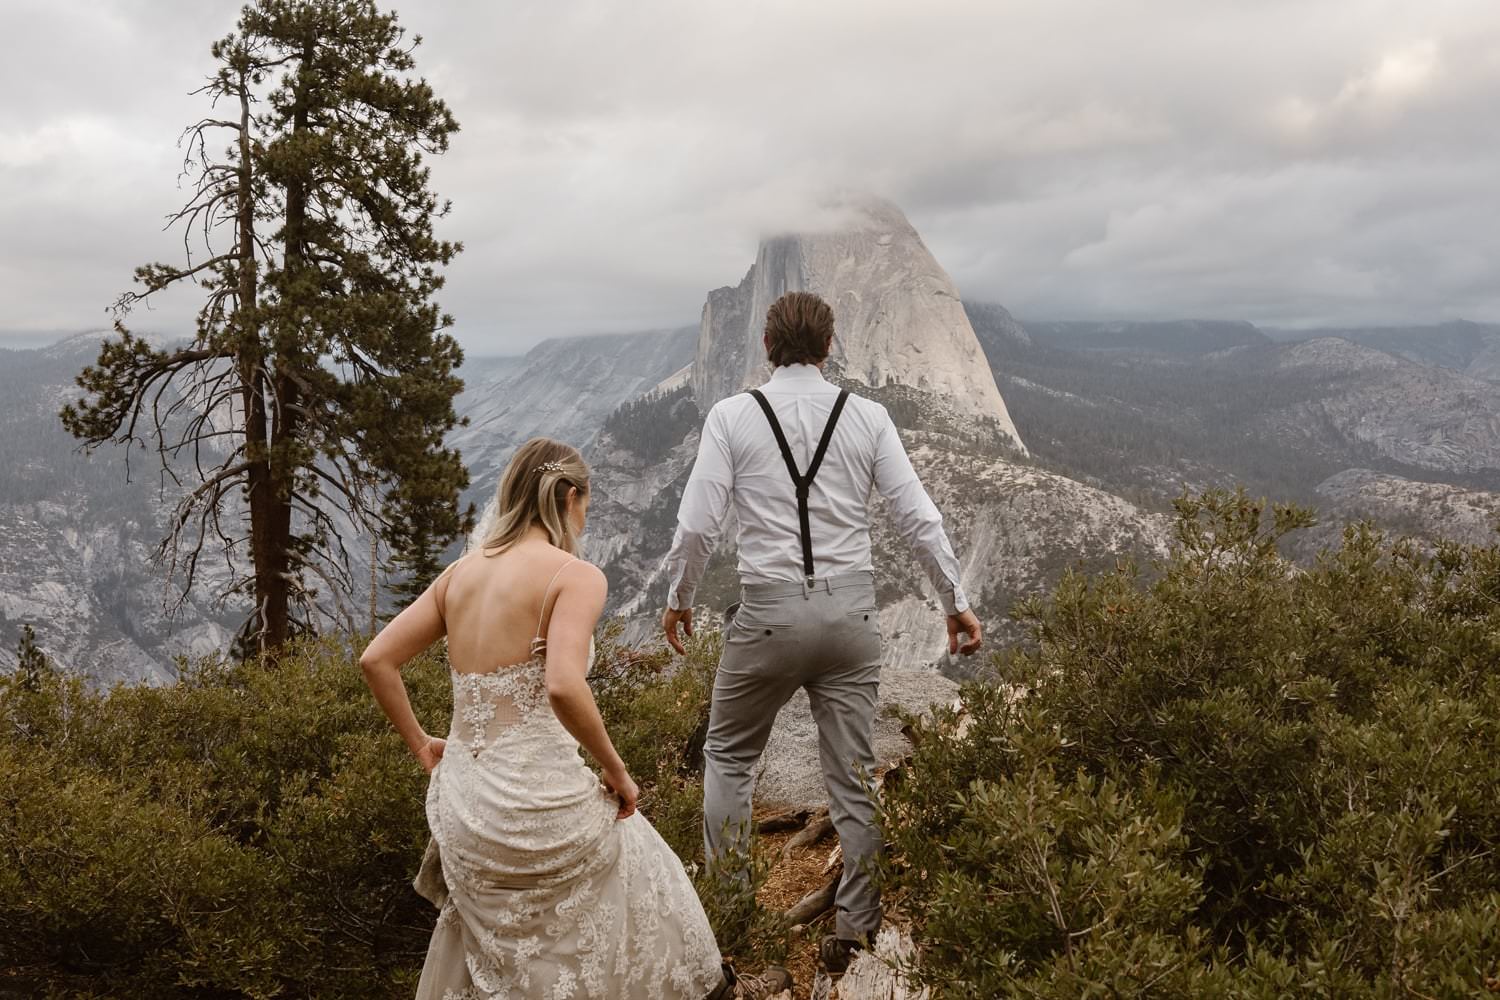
(31, 662)
(319, 384)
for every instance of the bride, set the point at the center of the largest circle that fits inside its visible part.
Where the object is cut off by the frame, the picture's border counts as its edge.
(550, 883)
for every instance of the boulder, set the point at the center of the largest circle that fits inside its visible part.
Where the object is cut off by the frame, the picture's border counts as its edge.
(790, 774)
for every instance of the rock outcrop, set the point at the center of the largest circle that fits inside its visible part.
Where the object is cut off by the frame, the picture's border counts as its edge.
(1409, 507)
(1356, 397)
(898, 319)
(563, 388)
(77, 539)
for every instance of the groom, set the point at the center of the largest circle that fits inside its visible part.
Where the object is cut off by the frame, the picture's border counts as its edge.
(797, 459)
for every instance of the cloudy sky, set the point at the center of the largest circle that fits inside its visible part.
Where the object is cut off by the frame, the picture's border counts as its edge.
(1292, 162)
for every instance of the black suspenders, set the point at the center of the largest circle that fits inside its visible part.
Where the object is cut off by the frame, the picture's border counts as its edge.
(803, 482)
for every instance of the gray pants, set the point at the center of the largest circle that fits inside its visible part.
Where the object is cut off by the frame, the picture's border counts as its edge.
(825, 639)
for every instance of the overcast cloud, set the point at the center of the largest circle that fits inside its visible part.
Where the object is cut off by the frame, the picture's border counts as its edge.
(1291, 162)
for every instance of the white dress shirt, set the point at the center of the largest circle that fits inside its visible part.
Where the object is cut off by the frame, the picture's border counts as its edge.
(739, 462)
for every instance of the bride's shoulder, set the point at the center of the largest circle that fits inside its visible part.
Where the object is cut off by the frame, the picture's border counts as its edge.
(584, 574)
(584, 569)
(457, 565)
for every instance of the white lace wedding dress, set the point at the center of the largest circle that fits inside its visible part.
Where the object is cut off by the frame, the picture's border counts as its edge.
(541, 891)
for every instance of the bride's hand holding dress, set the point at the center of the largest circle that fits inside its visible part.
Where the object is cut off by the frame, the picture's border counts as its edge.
(430, 752)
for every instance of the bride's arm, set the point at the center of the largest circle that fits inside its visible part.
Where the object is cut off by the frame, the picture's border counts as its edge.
(418, 626)
(580, 600)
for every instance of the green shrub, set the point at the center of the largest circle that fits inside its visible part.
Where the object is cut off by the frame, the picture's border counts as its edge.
(1238, 779)
(749, 935)
(253, 830)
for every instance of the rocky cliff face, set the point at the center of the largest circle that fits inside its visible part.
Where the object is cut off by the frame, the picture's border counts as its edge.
(898, 318)
(1405, 506)
(77, 539)
(562, 388)
(88, 588)
(1425, 417)
(79, 542)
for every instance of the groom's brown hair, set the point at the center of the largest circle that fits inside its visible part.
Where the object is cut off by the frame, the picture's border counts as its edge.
(799, 329)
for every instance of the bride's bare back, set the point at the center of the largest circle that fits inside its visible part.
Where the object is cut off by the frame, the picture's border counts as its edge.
(490, 608)
(494, 605)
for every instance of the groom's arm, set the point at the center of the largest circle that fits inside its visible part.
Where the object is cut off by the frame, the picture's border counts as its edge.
(918, 521)
(700, 520)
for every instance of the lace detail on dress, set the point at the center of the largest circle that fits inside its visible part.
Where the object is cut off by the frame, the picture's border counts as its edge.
(494, 702)
(549, 895)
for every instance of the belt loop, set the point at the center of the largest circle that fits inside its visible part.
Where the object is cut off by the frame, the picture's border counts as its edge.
(807, 587)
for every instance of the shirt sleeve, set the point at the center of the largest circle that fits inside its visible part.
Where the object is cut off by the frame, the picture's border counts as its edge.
(917, 519)
(700, 518)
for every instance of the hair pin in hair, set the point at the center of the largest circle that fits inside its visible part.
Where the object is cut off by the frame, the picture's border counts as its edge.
(550, 467)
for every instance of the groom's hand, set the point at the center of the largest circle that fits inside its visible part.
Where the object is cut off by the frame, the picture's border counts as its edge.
(964, 623)
(669, 623)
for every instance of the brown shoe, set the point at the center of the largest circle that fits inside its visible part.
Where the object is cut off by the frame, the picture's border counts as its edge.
(835, 952)
(771, 981)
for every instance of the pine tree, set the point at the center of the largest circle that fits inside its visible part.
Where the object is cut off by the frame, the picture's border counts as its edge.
(31, 661)
(319, 384)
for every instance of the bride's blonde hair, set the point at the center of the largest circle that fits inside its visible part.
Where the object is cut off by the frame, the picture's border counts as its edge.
(534, 490)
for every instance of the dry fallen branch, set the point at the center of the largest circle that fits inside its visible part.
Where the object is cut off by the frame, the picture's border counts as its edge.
(820, 827)
(816, 903)
(791, 819)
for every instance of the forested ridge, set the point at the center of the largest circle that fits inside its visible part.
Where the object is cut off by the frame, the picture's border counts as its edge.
(1158, 412)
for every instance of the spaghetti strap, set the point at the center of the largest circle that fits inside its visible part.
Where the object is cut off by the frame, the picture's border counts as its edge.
(538, 642)
(440, 593)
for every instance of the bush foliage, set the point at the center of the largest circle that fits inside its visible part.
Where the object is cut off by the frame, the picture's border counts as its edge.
(1238, 778)
(1230, 777)
(253, 830)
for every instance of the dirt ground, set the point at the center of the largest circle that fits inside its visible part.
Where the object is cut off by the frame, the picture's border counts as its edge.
(789, 881)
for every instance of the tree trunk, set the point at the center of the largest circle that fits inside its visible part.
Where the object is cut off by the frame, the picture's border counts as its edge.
(250, 354)
(277, 582)
(273, 580)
